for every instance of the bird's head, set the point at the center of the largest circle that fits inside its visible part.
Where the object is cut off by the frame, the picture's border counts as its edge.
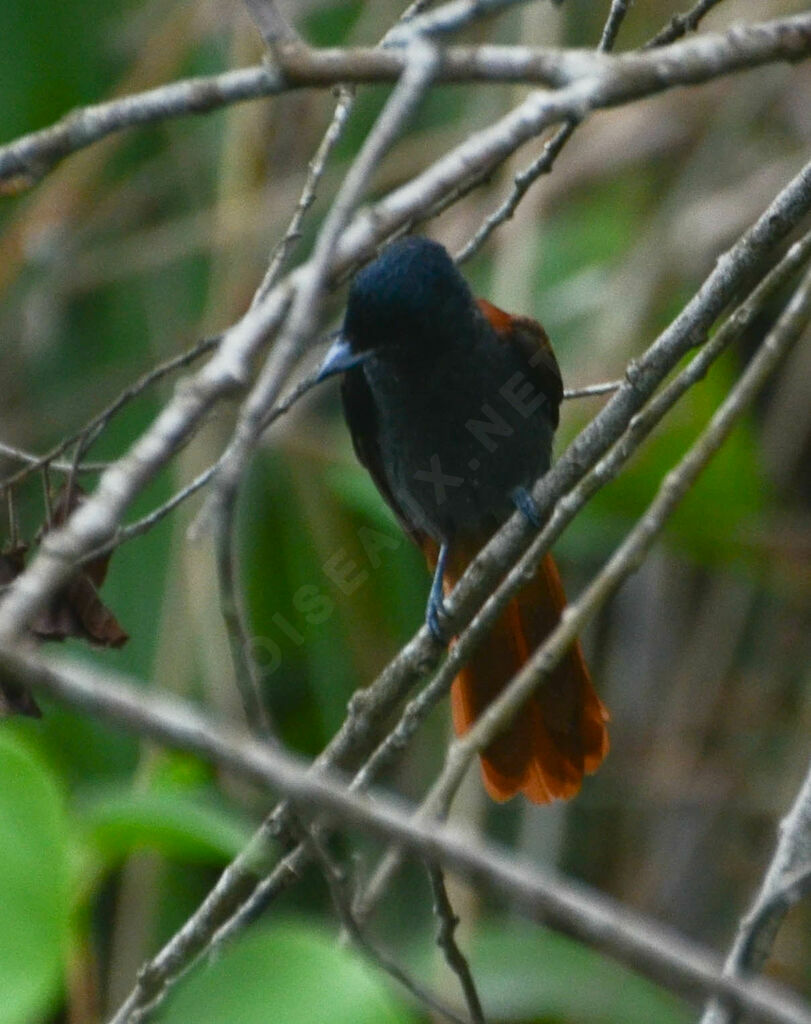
(411, 297)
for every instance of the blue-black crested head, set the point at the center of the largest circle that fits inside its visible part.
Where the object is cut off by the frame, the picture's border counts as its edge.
(412, 294)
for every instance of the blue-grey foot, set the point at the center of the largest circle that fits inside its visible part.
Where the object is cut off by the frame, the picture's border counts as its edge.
(527, 506)
(436, 604)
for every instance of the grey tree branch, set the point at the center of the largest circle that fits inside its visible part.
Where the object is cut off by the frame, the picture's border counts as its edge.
(94, 426)
(372, 706)
(625, 560)
(613, 23)
(27, 159)
(448, 17)
(273, 27)
(544, 163)
(33, 462)
(315, 171)
(591, 390)
(681, 24)
(545, 895)
(95, 522)
(97, 519)
(786, 881)
(629, 555)
(300, 325)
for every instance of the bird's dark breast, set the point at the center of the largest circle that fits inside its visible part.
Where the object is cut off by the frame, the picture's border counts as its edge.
(458, 435)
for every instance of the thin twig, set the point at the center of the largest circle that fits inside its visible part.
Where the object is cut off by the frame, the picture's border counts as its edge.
(446, 940)
(449, 17)
(590, 390)
(543, 164)
(786, 881)
(316, 167)
(315, 171)
(247, 674)
(336, 883)
(680, 24)
(613, 23)
(93, 427)
(143, 525)
(37, 461)
(272, 24)
(96, 520)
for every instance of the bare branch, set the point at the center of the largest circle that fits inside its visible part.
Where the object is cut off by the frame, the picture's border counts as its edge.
(681, 24)
(93, 427)
(97, 519)
(449, 17)
(602, 81)
(343, 905)
(582, 912)
(616, 16)
(628, 556)
(590, 390)
(246, 671)
(446, 940)
(33, 462)
(315, 171)
(565, 510)
(543, 164)
(786, 881)
(273, 27)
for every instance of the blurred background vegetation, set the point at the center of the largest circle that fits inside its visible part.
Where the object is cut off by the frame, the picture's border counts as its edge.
(131, 250)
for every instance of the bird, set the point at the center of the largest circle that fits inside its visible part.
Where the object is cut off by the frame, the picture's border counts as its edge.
(452, 405)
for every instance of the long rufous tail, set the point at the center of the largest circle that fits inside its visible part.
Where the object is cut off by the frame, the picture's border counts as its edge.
(560, 734)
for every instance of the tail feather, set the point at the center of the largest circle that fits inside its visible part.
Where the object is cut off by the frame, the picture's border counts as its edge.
(560, 734)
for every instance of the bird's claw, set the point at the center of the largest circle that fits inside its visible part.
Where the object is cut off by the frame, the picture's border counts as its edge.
(527, 506)
(436, 605)
(436, 608)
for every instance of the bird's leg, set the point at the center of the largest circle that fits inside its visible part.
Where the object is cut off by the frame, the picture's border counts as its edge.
(436, 604)
(527, 506)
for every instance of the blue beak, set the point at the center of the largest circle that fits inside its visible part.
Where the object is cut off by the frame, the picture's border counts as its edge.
(339, 358)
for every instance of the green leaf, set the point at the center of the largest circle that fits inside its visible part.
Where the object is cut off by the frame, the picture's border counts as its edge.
(34, 884)
(185, 826)
(292, 973)
(535, 974)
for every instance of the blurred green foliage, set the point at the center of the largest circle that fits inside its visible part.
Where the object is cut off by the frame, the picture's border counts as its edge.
(533, 974)
(35, 883)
